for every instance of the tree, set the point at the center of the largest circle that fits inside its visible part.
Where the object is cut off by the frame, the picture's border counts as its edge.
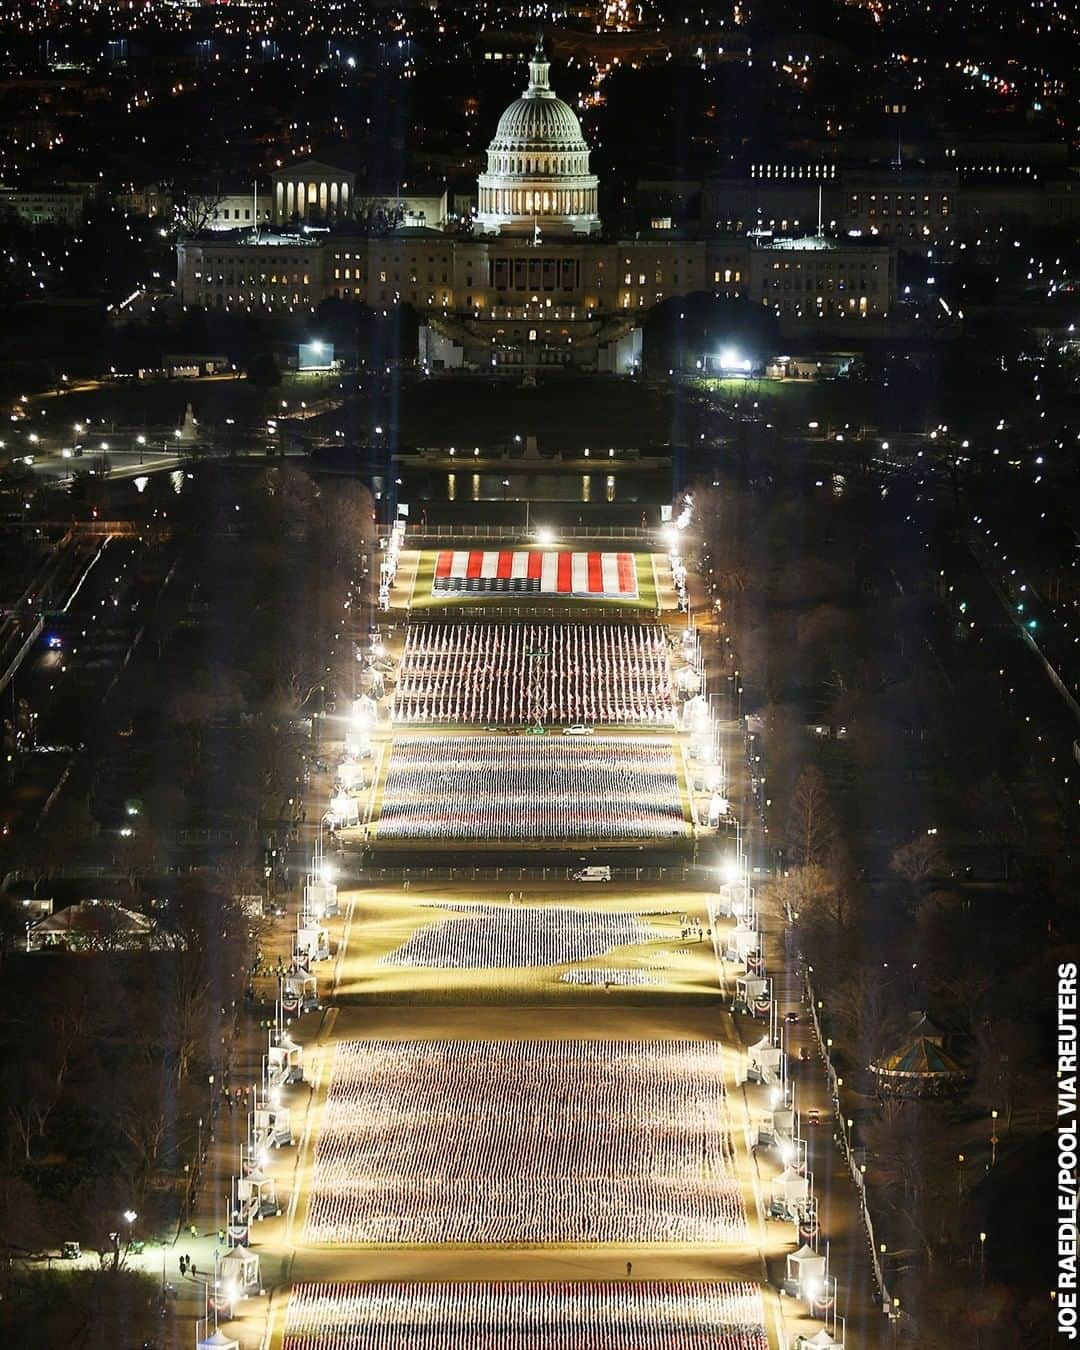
(31, 1097)
(803, 892)
(1006, 1056)
(197, 210)
(867, 1007)
(811, 827)
(86, 1309)
(911, 1172)
(264, 371)
(143, 1123)
(918, 862)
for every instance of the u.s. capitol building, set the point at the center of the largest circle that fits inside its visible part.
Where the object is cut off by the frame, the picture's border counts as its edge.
(531, 282)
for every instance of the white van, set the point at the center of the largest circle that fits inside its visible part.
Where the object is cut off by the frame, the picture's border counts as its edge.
(593, 874)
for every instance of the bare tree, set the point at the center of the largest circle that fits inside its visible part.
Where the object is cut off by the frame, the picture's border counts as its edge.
(1006, 1048)
(864, 1004)
(911, 1154)
(812, 827)
(31, 1098)
(918, 862)
(197, 210)
(143, 1123)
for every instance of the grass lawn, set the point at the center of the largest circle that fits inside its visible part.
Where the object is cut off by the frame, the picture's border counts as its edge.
(386, 921)
(425, 598)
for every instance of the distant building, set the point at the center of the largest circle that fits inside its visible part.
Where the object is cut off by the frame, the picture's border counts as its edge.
(238, 211)
(312, 193)
(818, 278)
(278, 271)
(527, 282)
(152, 200)
(44, 208)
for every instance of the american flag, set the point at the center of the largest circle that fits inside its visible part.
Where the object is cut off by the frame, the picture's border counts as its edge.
(529, 571)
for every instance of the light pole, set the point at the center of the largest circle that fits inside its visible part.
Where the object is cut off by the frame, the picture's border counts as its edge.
(982, 1258)
(993, 1138)
(129, 1218)
(960, 1173)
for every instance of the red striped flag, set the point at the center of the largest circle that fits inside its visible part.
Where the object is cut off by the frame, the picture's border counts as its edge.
(530, 571)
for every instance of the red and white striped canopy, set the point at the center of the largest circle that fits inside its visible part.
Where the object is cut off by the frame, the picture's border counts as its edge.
(525, 571)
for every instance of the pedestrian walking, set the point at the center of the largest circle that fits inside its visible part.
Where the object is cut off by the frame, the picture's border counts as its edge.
(629, 1267)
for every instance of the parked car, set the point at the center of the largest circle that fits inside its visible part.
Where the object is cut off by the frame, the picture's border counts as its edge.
(577, 730)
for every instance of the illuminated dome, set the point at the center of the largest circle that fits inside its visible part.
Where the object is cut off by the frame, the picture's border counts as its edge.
(538, 175)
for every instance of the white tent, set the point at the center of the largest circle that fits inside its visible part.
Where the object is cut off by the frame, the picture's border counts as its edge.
(285, 1063)
(743, 942)
(299, 993)
(344, 809)
(91, 925)
(241, 1270)
(256, 1195)
(358, 743)
(695, 713)
(313, 942)
(805, 1267)
(820, 1340)
(751, 987)
(320, 899)
(764, 1060)
(783, 1121)
(688, 681)
(751, 995)
(217, 1340)
(273, 1126)
(350, 774)
(791, 1187)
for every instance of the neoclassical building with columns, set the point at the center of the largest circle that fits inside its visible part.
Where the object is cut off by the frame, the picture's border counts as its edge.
(530, 283)
(537, 178)
(312, 193)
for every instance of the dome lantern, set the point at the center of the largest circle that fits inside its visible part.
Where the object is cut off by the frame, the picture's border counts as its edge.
(538, 72)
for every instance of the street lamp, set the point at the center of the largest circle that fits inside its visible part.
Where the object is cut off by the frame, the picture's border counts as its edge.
(993, 1138)
(129, 1218)
(982, 1257)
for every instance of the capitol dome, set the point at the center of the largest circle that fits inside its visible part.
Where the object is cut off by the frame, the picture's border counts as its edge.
(537, 177)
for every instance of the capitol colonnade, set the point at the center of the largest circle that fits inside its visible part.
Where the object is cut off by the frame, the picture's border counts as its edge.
(313, 191)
